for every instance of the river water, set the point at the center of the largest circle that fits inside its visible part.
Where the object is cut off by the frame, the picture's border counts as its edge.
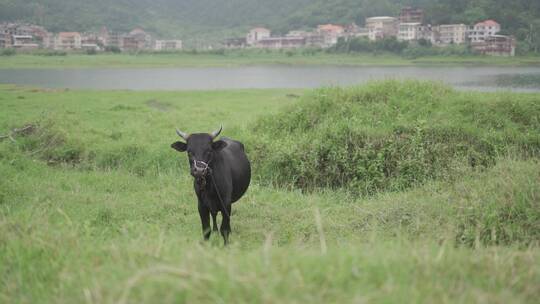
(526, 79)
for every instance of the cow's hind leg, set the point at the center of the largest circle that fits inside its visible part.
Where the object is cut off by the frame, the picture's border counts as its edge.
(226, 224)
(204, 213)
(214, 221)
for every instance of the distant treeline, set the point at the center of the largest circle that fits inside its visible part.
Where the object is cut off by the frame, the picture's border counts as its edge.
(202, 21)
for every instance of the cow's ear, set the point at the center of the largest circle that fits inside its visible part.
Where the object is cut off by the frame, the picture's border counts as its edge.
(218, 145)
(179, 146)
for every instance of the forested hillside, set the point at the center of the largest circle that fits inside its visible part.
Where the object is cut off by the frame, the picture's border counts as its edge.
(214, 20)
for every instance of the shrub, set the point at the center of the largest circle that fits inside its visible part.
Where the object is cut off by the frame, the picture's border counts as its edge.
(91, 51)
(50, 144)
(113, 49)
(8, 52)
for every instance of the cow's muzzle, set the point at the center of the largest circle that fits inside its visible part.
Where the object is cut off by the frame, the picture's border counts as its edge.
(199, 169)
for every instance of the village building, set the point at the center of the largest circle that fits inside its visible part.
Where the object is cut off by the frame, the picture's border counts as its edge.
(311, 39)
(482, 30)
(354, 31)
(450, 34)
(411, 15)
(21, 36)
(496, 45)
(115, 39)
(162, 45)
(65, 41)
(91, 41)
(281, 42)
(38, 33)
(5, 39)
(414, 31)
(314, 40)
(381, 27)
(409, 31)
(136, 40)
(330, 33)
(24, 42)
(256, 35)
(103, 36)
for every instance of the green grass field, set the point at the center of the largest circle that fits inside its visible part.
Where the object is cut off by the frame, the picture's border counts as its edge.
(95, 206)
(245, 57)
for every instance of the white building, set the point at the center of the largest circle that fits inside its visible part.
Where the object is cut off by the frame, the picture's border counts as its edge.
(409, 31)
(24, 42)
(162, 45)
(257, 34)
(451, 34)
(380, 27)
(480, 31)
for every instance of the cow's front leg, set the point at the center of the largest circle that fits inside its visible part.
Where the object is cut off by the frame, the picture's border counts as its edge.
(205, 220)
(225, 228)
(214, 221)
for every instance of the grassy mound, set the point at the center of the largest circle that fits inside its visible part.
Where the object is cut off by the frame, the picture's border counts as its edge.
(95, 207)
(391, 135)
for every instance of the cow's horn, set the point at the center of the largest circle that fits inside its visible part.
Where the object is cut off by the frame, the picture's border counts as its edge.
(216, 132)
(182, 134)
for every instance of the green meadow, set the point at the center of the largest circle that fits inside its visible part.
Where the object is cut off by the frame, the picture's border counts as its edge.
(221, 58)
(391, 192)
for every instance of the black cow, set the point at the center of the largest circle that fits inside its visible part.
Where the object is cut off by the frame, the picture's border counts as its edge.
(221, 172)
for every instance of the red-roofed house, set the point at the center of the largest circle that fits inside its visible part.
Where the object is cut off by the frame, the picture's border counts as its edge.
(484, 29)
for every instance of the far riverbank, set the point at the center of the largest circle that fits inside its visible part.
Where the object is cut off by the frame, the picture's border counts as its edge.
(245, 58)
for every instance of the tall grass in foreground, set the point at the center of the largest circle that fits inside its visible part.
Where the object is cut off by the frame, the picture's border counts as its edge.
(95, 207)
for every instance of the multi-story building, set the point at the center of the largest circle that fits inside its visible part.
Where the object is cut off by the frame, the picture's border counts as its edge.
(91, 41)
(414, 31)
(496, 45)
(257, 34)
(381, 27)
(330, 33)
(314, 39)
(136, 40)
(411, 15)
(68, 41)
(24, 42)
(482, 30)
(5, 39)
(281, 42)
(352, 30)
(409, 31)
(162, 45)
(450, 34)
(115, 39)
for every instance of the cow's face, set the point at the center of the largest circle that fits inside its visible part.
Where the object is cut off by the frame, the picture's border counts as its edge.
(201, 149)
